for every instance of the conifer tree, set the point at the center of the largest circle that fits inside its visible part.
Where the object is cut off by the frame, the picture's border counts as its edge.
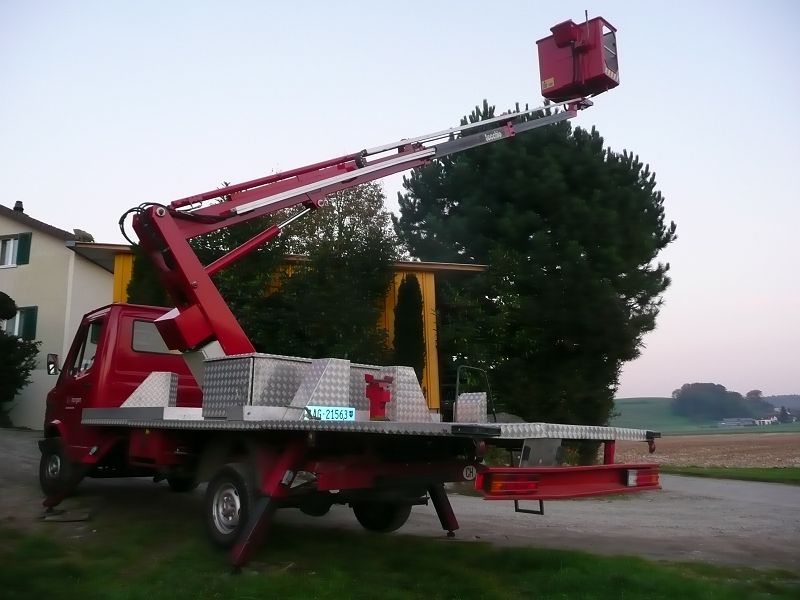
(409, 334)
(571, 232)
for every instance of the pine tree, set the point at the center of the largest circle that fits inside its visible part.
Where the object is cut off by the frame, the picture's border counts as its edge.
(570, 231)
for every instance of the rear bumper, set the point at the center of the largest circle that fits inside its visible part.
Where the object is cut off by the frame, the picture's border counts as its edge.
(561, 483)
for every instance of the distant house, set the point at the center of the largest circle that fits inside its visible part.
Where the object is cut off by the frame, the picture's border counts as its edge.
(748, 422)
(53, 286)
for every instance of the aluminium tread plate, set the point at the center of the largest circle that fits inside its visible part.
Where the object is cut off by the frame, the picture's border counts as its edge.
(573, 432)
(377, 427)
(518, 431)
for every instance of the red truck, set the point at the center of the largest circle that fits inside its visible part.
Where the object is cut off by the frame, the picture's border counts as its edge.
(180, 394)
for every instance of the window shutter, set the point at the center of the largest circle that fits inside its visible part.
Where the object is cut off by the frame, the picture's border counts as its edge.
(27, 315)
(24, 248)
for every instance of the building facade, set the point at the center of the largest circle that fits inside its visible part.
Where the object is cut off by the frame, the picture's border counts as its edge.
(53, 287)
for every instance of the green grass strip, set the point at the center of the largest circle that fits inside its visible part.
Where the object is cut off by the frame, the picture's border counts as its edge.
(168, 559)
(788, 475)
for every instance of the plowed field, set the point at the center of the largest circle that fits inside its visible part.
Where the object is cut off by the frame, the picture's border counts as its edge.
(725, 450)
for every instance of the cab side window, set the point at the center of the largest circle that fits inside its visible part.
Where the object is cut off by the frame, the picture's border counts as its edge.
(84, 358)
(147, 339)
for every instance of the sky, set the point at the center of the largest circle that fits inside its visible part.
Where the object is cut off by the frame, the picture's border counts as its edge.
(104, 105)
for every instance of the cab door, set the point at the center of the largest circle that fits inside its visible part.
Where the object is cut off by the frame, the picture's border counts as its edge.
(78, 383)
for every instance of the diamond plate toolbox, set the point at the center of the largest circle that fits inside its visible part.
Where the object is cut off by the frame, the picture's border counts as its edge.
(283, 381)
(250, 379)
(471, 408)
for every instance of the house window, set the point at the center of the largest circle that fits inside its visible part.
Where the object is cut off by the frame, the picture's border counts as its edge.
(23, 324)
(15, 250)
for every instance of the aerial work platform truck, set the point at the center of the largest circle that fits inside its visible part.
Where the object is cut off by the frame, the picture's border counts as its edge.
(181, 394)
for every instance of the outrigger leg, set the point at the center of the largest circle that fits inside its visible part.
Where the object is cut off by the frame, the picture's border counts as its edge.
(444, 510)
(275, 473)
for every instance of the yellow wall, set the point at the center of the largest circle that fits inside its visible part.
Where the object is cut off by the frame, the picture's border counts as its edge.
(430, 372)
(123, 266)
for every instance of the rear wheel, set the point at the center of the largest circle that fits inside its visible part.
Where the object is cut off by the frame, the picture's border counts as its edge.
(316, 506)
(381, 517)
(228, 500)
(57, 475)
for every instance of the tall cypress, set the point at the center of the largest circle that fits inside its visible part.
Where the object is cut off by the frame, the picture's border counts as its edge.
(409, 334)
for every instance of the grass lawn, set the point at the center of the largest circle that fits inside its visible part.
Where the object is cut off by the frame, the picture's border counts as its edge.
(172, 560)
(790, 475)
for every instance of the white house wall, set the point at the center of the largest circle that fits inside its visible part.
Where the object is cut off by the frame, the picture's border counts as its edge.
(92, 287)
(45, 283)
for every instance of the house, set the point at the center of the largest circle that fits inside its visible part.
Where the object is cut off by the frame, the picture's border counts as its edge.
(53, 287)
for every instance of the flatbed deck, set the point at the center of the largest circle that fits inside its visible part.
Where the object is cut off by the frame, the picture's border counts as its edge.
(188, 418)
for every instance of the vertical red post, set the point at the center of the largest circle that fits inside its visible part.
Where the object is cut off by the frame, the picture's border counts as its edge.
(609, 447)
(378, 395)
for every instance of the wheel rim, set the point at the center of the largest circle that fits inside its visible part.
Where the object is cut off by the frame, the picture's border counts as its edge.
(53, 466)
(226, 508)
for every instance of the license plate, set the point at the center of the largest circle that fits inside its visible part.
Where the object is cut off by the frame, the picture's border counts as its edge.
(330, 413)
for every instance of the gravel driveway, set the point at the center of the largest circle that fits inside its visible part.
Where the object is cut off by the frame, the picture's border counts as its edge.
(731, 522)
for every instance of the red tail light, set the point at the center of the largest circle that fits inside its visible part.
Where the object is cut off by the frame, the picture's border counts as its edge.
(507, 484)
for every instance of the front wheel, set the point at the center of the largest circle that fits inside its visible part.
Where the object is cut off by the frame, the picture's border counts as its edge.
(381, 517)
(57, 475)
(228, 499)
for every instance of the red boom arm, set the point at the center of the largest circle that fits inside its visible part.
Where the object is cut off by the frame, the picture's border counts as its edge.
(201, 314)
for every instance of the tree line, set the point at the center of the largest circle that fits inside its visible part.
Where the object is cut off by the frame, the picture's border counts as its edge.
(704, 401)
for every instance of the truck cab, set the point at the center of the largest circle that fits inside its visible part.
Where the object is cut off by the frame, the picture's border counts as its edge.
(115, 348)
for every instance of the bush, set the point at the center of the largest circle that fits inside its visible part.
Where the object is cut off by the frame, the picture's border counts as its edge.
(19, 359)
(8, 307)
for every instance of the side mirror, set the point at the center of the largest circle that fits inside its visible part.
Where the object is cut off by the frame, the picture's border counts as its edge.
(52, 364)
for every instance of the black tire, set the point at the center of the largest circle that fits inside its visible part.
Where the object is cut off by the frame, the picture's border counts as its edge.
(316, 506)
(381, 517)
(181, 484)
(227, 503)
(57, 475)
